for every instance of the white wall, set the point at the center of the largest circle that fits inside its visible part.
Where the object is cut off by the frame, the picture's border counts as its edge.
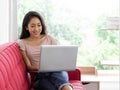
(4, 21)
(8, 21)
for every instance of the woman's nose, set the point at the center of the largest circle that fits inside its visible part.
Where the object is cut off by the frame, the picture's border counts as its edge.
(36, 28)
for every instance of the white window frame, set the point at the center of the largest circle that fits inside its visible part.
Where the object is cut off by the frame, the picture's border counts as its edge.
(13, 32)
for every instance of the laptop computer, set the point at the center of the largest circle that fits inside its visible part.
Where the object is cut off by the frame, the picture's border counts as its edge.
(58, 58)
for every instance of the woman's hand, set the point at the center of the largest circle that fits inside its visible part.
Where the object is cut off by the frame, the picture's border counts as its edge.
(33, 68)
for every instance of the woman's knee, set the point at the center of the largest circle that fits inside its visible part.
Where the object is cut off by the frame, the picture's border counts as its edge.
(67, 87)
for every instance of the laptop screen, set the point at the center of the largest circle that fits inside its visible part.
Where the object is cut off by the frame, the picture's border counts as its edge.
(58, 58)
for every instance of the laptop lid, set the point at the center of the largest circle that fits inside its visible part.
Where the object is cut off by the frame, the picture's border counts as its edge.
(58, 58)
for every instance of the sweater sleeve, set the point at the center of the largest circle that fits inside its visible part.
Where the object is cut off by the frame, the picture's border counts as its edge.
(21, 45)
(52, 40)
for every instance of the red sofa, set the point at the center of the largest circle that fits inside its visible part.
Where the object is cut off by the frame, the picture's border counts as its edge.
(13, 73)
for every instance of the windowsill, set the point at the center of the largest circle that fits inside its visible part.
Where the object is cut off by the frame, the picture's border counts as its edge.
(108, 72)
(102, 76)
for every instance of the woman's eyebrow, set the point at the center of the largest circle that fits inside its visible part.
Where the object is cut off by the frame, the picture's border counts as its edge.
(34, 23)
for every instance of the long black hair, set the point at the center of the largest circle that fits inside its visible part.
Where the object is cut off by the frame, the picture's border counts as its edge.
(31, 14)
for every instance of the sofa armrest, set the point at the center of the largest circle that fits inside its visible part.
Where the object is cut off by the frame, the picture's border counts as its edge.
(75, 75)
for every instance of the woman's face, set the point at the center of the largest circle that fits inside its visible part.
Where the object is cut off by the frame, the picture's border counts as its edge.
(34, 27)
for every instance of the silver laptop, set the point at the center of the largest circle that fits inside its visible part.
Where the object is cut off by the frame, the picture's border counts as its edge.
(58, 58)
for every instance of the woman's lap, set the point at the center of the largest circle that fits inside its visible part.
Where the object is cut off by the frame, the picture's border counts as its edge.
(43, 84)
(50, 81)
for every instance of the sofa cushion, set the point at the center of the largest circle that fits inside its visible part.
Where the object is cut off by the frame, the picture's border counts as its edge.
(13, 74)
(77, 85)
(75, 75)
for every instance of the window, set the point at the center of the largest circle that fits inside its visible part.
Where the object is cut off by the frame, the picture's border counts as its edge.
(79, 22)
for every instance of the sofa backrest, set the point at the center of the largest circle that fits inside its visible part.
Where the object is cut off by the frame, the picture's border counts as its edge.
(13, 74)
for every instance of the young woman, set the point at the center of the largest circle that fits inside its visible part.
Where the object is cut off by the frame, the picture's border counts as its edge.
(34, 35)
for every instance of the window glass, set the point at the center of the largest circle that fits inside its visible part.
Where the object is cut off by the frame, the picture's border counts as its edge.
(79, 22)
